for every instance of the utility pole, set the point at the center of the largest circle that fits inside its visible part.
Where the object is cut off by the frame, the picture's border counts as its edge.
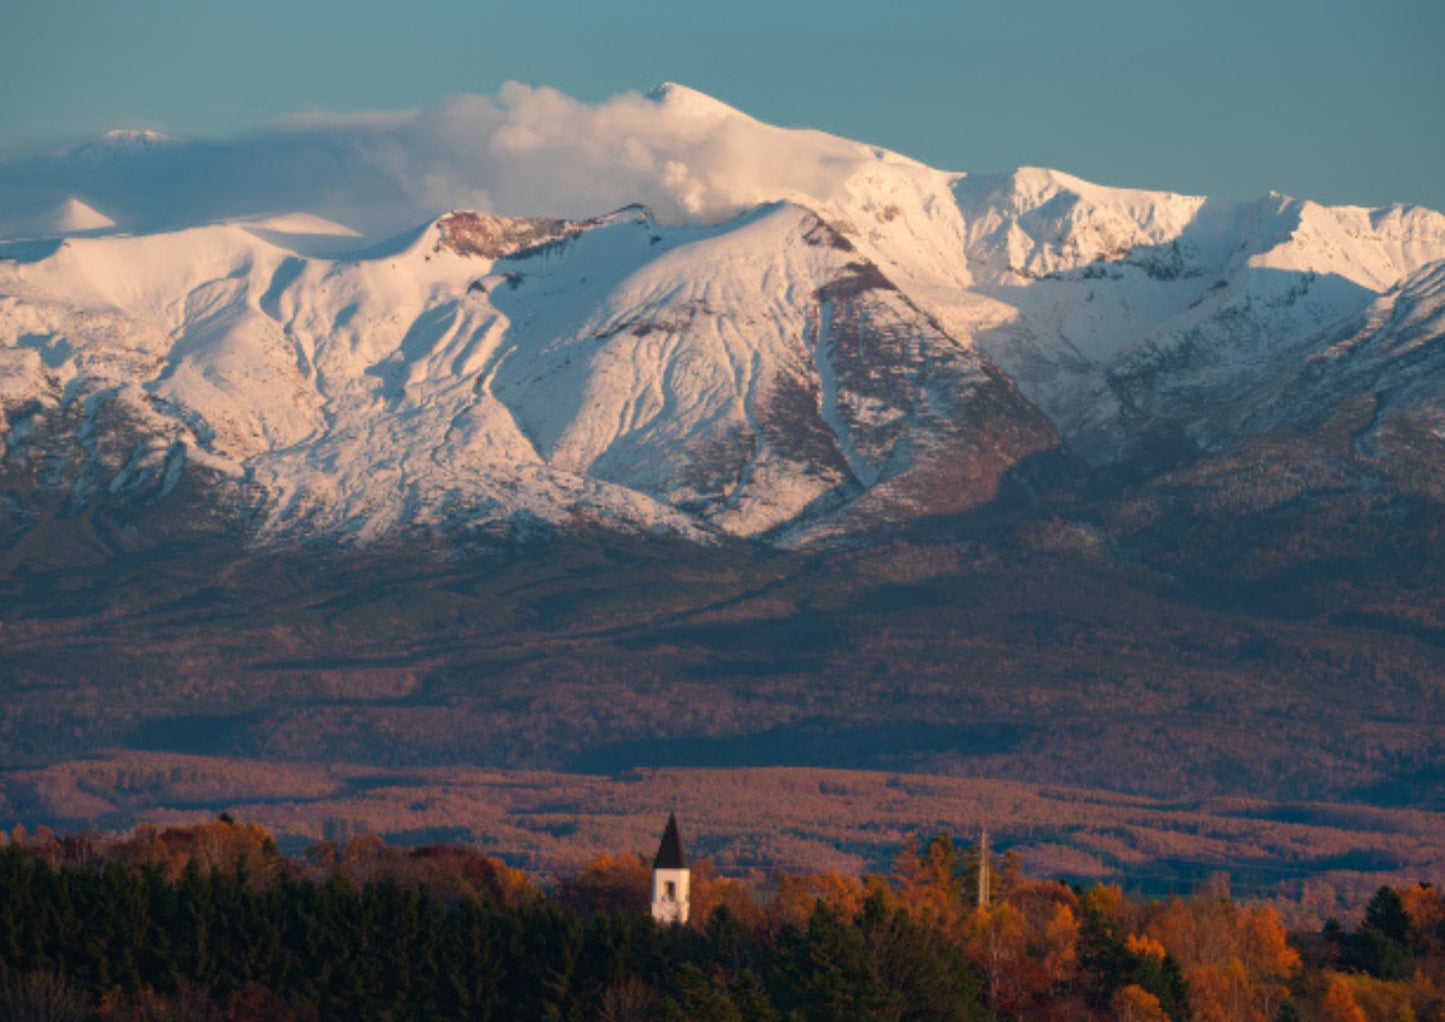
(983, 878)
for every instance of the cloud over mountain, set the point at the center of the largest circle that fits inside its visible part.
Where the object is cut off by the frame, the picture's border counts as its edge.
(528, 151)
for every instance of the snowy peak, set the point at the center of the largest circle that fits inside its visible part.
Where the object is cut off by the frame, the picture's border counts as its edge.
(682, 101)
(150, 278)
(1374, 248)
(1034, 222)
(75, 216)
(69, 216)
(121, 144)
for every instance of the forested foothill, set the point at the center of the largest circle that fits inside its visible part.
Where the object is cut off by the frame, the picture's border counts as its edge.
(1234, 627)
(1310, 860)
(211, 921)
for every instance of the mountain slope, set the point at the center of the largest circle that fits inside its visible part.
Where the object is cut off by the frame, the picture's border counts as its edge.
(733, 378)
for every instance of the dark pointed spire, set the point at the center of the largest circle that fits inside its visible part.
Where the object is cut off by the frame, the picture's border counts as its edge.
(669, 853)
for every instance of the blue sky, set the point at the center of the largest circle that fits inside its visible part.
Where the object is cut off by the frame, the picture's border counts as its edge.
(1338, 101)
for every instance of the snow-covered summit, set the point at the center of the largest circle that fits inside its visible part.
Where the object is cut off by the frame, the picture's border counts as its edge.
(75, 215)
(120, 144)
(65, 217)
(681, 99)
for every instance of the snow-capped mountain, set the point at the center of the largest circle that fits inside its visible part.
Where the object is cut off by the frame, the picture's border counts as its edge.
(852, 339)
(119, 145)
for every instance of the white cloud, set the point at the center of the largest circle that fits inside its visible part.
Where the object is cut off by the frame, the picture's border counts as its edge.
(526, 151)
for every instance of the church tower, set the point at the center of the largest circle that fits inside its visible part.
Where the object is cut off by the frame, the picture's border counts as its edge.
(670, 877)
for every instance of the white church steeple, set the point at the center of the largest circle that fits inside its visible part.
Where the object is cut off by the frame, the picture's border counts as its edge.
(670, 877)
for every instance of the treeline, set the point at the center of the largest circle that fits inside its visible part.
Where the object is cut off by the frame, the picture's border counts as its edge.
(211, 922)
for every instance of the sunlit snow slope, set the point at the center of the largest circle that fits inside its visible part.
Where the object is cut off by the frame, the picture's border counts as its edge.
(790, 353)
(737, 378)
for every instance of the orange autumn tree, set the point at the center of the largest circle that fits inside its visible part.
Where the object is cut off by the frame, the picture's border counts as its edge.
(367, 858)
(1236, 959)
(216, 845)
(608, 883)
(1426, 910)
(997, 944)
(797, 895)
(448, 871)
(927, 883)
(1026, 947)
(454, 872)
(1024, 943)
(1050, 912)
(710, 891)
(843, 894)
(1339, 1004)
(1133, 1003)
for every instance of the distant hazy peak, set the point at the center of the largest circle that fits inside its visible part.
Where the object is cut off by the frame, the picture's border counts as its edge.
(136, 136)
(120, 143)
(74, 215)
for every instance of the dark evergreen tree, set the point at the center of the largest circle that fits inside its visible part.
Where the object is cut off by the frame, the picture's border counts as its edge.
(1380, 946)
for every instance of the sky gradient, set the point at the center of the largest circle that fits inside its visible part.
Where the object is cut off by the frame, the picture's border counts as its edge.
(1336, 101)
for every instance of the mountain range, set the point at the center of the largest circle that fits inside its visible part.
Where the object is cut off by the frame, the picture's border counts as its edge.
(894, 342)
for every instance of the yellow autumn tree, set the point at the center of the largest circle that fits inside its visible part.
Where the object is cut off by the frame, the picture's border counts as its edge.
(1236, 959)
(1107, 901)
(1133, 1003)
(1339, 1004)
(1411, 999)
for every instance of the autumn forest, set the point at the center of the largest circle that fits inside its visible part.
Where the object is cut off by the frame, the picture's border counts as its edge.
(211, 921)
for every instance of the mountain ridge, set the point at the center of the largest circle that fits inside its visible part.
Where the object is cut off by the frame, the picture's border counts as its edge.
(888, 342)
